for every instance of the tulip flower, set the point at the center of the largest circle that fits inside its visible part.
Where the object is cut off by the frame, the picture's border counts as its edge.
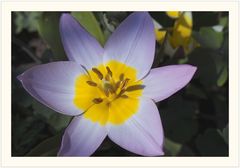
(110, 91)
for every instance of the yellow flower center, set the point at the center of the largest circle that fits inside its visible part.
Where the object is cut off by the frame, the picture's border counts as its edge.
(108, 93)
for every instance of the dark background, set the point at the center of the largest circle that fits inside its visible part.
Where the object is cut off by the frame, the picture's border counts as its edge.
(195, 119)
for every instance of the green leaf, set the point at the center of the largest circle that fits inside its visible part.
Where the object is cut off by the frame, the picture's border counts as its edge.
(59, 121)
(223, 21)
(223, 76)
(26, 130)
(48, 28)
(56, 120)
(203, 59)
(224, 133)
(223, 63)
(48, 147)
(22, 97)
(186, 151)
(41, 110)
(26, 20)
(221, 106)
(196, 91)
(90, 23)
(179, 119)
(207, 37)
(211, 144)
(172, 147)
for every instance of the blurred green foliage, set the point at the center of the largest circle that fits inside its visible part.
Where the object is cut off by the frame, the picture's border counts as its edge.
(26, 20)
(89, 22)
(195, 119)
(48, 28)
(211, 144)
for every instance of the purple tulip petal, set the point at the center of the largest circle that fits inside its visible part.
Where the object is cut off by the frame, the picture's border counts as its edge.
(133, 43)
(53, 85)
(82, 137)
(142, 133)
(163, 82)
(79, 45)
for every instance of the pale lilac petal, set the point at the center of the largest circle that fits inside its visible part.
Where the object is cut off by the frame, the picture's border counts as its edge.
(82, 137)
(163, 82)
(142, 133)
(133, 43)
(79, 45)
(53, 85)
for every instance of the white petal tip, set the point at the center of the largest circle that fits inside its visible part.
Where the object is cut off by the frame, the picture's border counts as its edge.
(65, 15)
(20, 77)
(154, 153)
(160, 153)
(192, 69)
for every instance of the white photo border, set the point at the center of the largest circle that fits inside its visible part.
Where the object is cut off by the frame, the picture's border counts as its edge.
(230, 6)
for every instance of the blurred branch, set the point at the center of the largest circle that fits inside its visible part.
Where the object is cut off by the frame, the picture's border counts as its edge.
(25, 48)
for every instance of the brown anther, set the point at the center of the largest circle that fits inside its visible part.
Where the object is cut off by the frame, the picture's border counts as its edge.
(117, 84)
(107, 77)
(121, 77)
(109, 71)
(121, 92)
(124, 96)
(99, 74)
(124, 83)
(97, 100)
(106, 92)
(134, 88)
(91, 83)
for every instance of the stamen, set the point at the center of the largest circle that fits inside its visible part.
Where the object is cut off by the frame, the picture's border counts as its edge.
(117, 85)
(99, 74)
(121, 77)
(97, 100)
(85, 69)
(91, 83)
(124, 84)
(107, 77)
(134, 87)
(124, 96)
(109, 71)
(111, 90)
(106, 92)
(121, 92)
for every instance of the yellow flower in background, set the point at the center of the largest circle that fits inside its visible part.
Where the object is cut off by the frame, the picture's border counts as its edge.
(160, 34)
(173, 14)
(182, 31)
(180, 34)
